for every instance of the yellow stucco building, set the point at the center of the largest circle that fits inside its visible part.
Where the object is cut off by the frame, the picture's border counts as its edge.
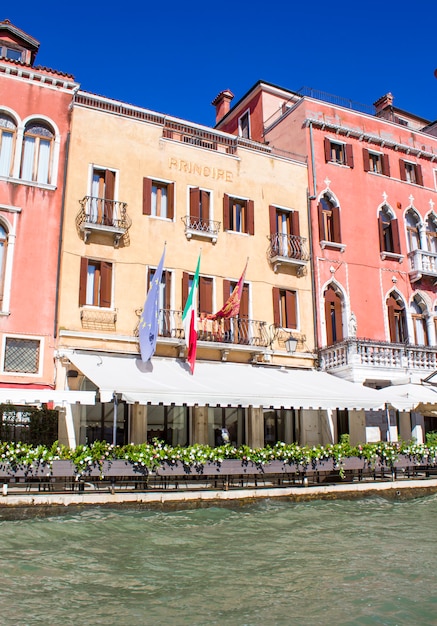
(138, 181)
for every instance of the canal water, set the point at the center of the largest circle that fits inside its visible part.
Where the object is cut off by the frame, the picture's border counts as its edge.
(360, 562)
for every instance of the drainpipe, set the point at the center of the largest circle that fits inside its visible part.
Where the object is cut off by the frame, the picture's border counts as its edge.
(61, 227)
(310, 198)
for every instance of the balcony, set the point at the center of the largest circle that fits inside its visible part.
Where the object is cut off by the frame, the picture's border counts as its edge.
(197, 227)
(290, 250)
(363, 359)
(422, 263)
(235, 331)
(99, 215)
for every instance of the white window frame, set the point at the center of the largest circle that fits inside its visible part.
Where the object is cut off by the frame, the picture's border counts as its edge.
(335, 142)
(240, 127)
(9, 219)
(163, 181)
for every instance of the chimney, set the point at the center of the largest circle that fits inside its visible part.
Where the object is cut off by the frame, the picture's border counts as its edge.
(222, 104)
(385, 102)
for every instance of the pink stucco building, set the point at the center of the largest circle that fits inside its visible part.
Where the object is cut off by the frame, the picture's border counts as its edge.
(34, 126)
(372, 179)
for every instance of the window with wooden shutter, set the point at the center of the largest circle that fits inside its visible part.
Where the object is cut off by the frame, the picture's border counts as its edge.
(419, 176)
(205, 295)
(386, 165)
(329, 221)
(349, 155)
(327, 149)
(239, 215)
(284, 308)
(402, 170)
(95, 283)
(333, 316)
(366, 160)
(226, 212)
(158, 198)
(396, 319)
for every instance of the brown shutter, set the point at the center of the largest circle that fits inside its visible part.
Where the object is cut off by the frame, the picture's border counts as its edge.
(327, 145)
(336, 224)
(366, 160)
(402, 169)
(321, 223)
(226, 289)
(392, 305)
(147, 196)
(395, 235)
(349, 155)
(170, 201)
(273, 220)
(419, 176)
(338, 319)
(381, 233)
(109, 196)
(385, 165)
(244, 303)
(295, 230)
(105, 284)
(250, 217)
(204, 205)
(83, 281)
(195, 202)
(226, 220)
(290, 304)
(205, 295)
(276, 299)
(167, 290)
(185, 287)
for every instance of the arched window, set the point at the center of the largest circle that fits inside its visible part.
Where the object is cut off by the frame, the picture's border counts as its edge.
(37, 153)
(431, 233)
(7, 142)
(388, 232)
(329, 220)
(396, 319)
(333, 316)
(413, 237)
(419, 316)
(3, 254)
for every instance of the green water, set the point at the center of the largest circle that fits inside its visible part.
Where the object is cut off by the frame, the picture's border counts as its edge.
(359, 562)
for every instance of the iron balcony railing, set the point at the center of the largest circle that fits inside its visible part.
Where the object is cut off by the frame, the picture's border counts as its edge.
(288, 247)
(102, 212)
(198, 225)
(378, 355)
(235, 330)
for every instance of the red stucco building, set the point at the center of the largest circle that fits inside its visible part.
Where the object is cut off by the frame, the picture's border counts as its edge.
(34, 125)
(372, 179)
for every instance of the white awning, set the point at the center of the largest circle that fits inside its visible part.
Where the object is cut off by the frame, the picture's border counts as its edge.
(13, 395)
(410, 396)
(169, 381)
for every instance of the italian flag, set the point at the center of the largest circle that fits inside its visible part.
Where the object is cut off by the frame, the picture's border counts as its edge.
(189, 319)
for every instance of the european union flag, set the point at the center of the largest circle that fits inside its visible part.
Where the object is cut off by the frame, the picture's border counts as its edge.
(148, 328)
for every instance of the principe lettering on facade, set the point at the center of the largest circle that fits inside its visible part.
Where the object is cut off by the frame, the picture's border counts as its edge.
(202, 170)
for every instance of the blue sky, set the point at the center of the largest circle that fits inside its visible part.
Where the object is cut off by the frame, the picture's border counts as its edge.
(175, 57)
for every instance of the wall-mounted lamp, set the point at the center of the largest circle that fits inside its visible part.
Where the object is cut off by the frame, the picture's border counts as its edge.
(291, 345)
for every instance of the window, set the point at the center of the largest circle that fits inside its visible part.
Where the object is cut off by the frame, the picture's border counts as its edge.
(204, 300)
(95, 288)
(419, 316)
(244, 125)
(280, 425)
(102, 209)
(231, 418)
(284, 232)
(340, 153)
(431, 233)
(228, 288)
(200, 205)
(333, 315)
(388, 232)
(376, 162)
(166, 322)
(7, 140)
(284, 308)
(15, 54)
(22, 355)
(329, 220)
(36, 162)
(412, 221)
(411, 172)
(238, 215)
(396, 319)
(158, 198)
